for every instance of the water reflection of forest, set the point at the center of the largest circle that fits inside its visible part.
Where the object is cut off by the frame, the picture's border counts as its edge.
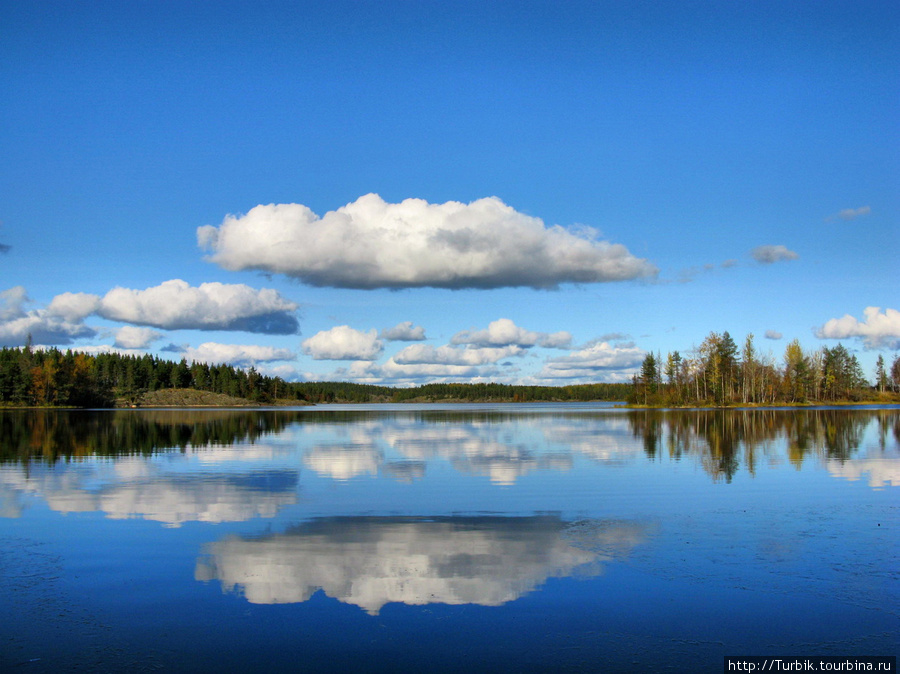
(722, 440)
(726, 439)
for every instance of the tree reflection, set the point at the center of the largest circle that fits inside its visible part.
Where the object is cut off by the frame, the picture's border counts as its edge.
(50, 435)
(724, 440)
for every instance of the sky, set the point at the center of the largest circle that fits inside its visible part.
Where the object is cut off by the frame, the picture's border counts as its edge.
(407, 192)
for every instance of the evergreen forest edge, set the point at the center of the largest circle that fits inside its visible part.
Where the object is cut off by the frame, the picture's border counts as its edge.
(715, 374)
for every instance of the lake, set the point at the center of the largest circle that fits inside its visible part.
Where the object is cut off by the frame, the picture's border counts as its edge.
(527, 537)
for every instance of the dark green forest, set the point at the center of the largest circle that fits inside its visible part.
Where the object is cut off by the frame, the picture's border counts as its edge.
(717, 373)
(53, 378)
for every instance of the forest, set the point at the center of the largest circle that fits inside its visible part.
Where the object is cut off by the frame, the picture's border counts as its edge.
(53, 378)
(715, 374)
(718, 373)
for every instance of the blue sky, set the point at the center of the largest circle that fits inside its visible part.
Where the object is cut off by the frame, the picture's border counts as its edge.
(402, 192)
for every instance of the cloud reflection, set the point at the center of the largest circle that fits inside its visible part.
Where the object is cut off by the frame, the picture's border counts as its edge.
(372, 561)
(137, 489)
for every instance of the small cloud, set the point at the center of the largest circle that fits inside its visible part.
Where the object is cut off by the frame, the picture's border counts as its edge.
(770, 254)
(404, 332)
(343, 343)
(423, 354)
(43, 327)
(4, 248)
(773, 334)
(131, 337)
(877, 330)
(598, 359)
(849, 214)
(74, 306)
(503, 332)
(239, 355)
(728, 264)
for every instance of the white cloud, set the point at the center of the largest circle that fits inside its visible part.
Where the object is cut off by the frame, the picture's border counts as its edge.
(74, 306)
(17, 324)
(850, 213)
(373, 244)
(773, 334)
(12, 303)
(877, 329)
(404, 332)
(343, 343)
(241, 355)
(770, 254)
(611, 362)
(504, 332)
(416, 373)
(420, 354)
(131, 337)
(175, 305)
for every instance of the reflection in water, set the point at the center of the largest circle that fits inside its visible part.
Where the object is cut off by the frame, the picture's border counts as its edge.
(50, 434)
(343, 462)
(371, 561)
(131, 488)
(723, 440)
(500, 445)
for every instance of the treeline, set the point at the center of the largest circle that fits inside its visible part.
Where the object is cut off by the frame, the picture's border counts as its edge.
(719, 373)
(512, 392)
(53, 378)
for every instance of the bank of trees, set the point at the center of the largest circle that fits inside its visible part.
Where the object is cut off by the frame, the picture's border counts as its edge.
(50, 377)
(53, 378)
(718, 372)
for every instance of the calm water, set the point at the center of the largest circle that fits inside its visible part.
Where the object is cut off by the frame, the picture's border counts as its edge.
(429, 538)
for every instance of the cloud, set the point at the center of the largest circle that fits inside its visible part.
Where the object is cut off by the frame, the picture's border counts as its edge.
(404, 332)
(413, 373)
(773, 334)
(175, 305)
(17, 324)
(849, 213)
(421, 354)
(770, 254)
(503, 332)
(5, 248)
(131, 337)
(74, 306)
(343, 343)
(373, 244)
(876, 330)
(240, 355)
(611, 362)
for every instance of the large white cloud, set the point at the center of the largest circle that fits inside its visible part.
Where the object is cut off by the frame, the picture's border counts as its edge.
(503, 332)
(343, 343)
(175, 305)
(877, 329)
(373, 244)
(770, 254)
(17, 324)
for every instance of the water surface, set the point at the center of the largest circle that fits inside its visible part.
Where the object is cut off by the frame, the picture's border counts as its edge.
(569, 537)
